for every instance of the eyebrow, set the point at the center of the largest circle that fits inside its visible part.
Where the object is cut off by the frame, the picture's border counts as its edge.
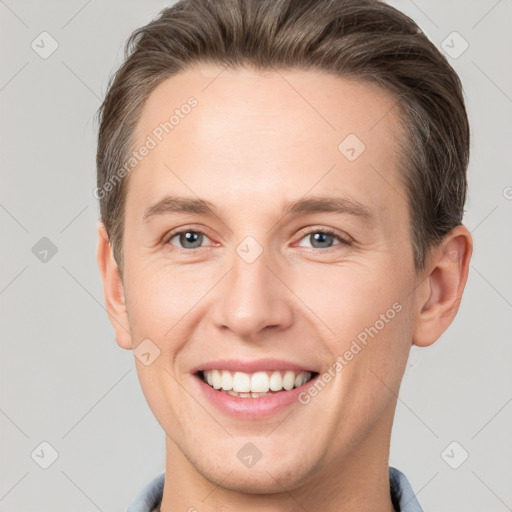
(318, 204)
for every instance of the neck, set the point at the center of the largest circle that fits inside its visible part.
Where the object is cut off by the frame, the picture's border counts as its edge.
(359, 480)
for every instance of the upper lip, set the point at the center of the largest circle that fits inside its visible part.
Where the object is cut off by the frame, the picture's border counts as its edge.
(247, 366)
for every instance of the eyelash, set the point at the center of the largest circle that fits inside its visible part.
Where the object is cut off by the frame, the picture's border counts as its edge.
(324, 231)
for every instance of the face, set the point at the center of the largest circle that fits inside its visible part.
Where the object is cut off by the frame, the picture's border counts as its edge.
(261, 236)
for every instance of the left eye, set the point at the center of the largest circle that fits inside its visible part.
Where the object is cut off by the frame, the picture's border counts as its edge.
(322, 239)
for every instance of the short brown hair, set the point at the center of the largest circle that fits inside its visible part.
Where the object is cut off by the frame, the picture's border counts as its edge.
(361, 39)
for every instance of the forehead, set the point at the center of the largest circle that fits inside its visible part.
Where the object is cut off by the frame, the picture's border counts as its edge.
(268, 137)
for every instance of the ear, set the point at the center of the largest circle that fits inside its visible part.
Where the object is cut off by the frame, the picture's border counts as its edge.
(113, 289)
(440, 293)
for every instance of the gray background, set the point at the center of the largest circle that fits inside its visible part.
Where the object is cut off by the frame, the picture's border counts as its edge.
(64, 380)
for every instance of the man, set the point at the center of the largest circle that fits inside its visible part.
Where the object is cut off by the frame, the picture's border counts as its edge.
(281, 187)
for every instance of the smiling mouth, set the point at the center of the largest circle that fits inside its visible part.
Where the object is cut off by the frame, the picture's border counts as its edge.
(256, 384)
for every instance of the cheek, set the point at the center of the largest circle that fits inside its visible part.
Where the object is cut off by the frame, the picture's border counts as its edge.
(347, 298)
(365, 317)
(379, 350)
(157, 299)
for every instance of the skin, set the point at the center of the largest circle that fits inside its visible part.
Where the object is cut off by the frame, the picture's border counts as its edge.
(254, 141)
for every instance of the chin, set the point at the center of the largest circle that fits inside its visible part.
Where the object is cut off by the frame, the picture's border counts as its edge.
(265, 477)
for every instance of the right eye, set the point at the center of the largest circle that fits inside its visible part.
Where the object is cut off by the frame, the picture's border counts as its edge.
(187, 239)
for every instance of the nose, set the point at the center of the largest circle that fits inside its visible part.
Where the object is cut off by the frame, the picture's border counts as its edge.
(252, 299)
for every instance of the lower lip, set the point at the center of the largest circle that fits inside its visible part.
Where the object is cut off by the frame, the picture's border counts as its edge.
(256, 408)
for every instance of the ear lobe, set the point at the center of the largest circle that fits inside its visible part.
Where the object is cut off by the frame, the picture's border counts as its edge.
(443, 287)
(113, 289)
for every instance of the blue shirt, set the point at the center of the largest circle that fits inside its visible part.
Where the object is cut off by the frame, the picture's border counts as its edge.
(402, 495)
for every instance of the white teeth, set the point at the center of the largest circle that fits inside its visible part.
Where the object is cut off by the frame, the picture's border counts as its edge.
(259, 382)
(276, 381)
(301, 379)
(216, 382)
(288, 380)
(241, 382)
(226, 380)
(256, 384)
